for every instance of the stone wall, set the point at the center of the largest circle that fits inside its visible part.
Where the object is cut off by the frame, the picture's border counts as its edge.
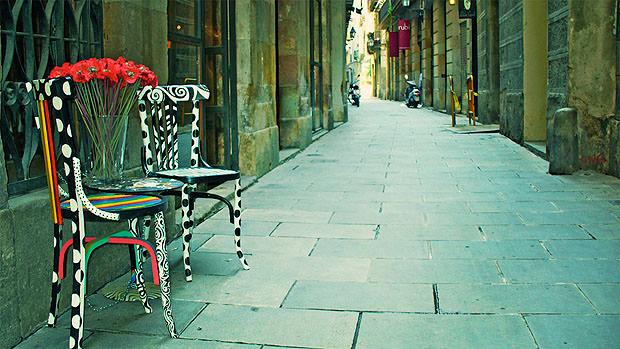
(439, 54)
(511, 68)
(256, 86)
(591, 89)
(337, 38)
(557, 46)
(293, 75)
(427, 58)
(488, 61)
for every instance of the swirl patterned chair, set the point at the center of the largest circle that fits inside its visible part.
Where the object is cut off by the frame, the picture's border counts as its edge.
(158, 108)
(55, 122)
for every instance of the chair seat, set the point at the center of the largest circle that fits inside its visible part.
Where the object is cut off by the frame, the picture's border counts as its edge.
(126, 205)
(193, 175)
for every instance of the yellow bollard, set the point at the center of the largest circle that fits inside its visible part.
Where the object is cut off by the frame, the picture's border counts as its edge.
(471, 94)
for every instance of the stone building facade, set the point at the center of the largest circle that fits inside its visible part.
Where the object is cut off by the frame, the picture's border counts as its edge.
(255, 57)
(440, 46)
(546, 71)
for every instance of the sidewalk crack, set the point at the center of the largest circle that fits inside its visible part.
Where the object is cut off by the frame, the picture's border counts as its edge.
(436, 299)
(501, 273)
(287, 293)
(530, 330)
(377, 231)
(357, 331)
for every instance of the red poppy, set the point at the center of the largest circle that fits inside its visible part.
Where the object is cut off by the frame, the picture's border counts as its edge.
(64, 70)
(116, 71)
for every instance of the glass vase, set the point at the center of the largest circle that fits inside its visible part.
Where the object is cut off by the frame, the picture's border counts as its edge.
(105, 146)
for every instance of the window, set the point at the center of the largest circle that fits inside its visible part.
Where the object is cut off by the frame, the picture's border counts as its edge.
(35, 36)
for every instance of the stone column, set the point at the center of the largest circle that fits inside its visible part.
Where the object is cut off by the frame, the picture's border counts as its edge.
(256, 86)
(416, 64)
(592, 78)
(439, 54)
(427, 57)
(488, 61)
(534, 70)
(337, 41)
(294, 74)
(328, 116)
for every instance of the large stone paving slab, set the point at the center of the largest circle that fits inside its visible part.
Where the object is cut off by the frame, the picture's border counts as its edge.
(434, 271)
(584, 249)
(436, 232)
(604, 231)
(114, 340)
(261, 245)
(605, 298)
(561, 271)
(405, 331)
(592, 332)
(488, 250)
(285, 327)
(245, 288)
(512, 299)
(371, 248)
(333, 231)
(311, 268)
(130, 316)
(358, 296)
(49, 338)
(473, 218)
(273, 215)
(576, 217)
(208, 263)
(534, 232)
(224, 227)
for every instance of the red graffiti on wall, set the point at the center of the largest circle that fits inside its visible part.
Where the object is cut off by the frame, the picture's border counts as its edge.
(593, 159)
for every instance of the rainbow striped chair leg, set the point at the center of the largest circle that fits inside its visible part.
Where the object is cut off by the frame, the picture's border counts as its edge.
(137, 260)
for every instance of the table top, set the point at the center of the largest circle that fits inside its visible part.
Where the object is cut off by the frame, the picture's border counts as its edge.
(135, 185)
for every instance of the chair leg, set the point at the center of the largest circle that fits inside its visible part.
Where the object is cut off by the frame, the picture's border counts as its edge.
(136, 263)
(164, 273)
(237, 223)
(187, 212)
(78, 294)
(51, 319)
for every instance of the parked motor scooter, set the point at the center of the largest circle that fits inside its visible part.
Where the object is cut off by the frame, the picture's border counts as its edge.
(354, 94)
(412, 94)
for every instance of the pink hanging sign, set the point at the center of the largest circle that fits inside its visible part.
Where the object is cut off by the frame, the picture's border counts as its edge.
(393, 44)
(404, 34)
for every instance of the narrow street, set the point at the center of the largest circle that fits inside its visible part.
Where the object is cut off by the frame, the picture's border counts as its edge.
(394, 232)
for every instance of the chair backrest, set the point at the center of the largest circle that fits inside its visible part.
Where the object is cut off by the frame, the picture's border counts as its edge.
(53, 120)
(159, 119)
(54, 98)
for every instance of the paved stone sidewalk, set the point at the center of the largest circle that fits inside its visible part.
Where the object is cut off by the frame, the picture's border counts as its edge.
(393, 232)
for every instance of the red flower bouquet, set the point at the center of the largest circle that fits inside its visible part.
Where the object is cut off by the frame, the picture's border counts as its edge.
(106, 91)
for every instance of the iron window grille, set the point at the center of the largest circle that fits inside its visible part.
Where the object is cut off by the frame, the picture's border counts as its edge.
(37, 35)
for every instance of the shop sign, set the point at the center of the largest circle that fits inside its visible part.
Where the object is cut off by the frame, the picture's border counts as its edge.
(404, 34)
(467, 8)
(393, 44)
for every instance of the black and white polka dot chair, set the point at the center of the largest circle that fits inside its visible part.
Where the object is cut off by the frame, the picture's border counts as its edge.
(54, 98)
(159, 109)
